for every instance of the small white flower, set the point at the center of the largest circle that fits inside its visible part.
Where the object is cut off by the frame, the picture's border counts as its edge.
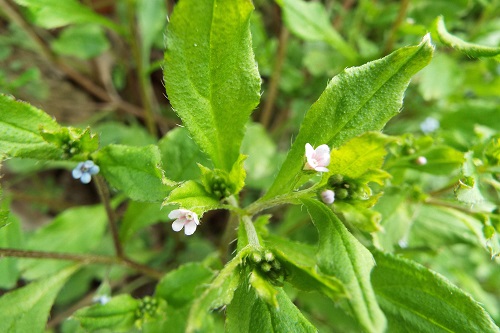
(84, 171)
(103, 299)
(317, 159)
(184, 219)
(429, 125)
(328, 196)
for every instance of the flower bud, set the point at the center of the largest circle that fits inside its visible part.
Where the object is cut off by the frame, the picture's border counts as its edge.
(328, 196)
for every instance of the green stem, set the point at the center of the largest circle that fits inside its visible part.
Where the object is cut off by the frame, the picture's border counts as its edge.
(103, 191)
(82, 258)
(230, 231)
(253, 239)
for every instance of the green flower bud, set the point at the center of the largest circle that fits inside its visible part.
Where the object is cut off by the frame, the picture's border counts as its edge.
(341, 193)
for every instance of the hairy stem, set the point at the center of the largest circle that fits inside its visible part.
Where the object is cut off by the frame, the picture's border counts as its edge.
(103, 191)
(82, 258)
(253, 239)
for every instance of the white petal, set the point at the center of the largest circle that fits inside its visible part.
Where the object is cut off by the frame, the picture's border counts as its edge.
(177, 225)
(321, 169)
(322, 150)
(190, 228)
(328, 196)
(309, 151)
(85, 178)
(177, 213)
(323, 160)
(76, 173)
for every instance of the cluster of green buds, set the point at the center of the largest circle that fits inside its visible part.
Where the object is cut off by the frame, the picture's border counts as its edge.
(265, 263)
(217, 183)
(149, 308)
(220, 188)
(345, 188)
(73, 142)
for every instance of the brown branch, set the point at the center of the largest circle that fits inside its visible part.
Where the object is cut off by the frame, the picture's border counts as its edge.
(103, 191)
(82, 258)
(265, 118)
(403, 8)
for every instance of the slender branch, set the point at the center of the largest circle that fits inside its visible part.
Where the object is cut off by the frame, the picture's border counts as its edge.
(437, 202)
(103, 191)
(403, 8)
(265, 118)
(82, 258)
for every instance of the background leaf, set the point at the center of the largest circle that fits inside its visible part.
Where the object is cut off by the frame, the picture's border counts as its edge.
(193, 196)
(134, 170)
(76, 230)
(357, 100)
(416, 299)
(341, 255)
(211, 76)
(54, 13)
(26, 309)
(82, 41)
(180, 154)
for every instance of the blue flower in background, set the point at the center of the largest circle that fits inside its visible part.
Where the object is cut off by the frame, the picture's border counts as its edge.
(84, 171)
(429, 125)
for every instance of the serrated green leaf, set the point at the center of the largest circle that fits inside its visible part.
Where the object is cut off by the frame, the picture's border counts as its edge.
(192, 196)
(470, 49)
(117, 315)
(182, 286)
(76, 230)
(210, 74)
(238, 174)
(20, 125)
(11, 236)
(416, 299)
(340, 254)
(298, 259)
(180, 155)
(360, 158)
(75, 143)
(219, 293)
(26, 309)
(51, 14)
(310, 21)
(81, 41)
(248, 313)
(140, 215)
(264, 289)
(359, 99)
(137, 171)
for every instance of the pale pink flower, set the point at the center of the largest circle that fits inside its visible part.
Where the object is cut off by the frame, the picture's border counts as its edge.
(184, 219)
(328, 196)
(317, 159)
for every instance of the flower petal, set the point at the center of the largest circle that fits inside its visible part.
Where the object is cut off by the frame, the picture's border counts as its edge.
(321, 169)
(177, 225)
(76, 173)
(86, 177)
(88, 164)
(309, 151)
(94, 170)
(190, 228)
(177, 213)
